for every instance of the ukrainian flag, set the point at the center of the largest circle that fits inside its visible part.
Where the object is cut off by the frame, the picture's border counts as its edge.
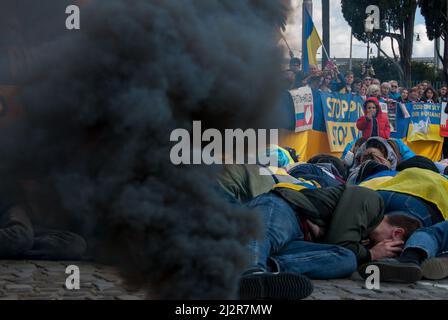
(312, 43)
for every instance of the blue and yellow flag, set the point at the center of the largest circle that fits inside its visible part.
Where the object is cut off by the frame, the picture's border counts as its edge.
(312, 43)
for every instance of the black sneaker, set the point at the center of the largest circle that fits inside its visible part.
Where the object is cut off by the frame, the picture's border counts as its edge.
(392, 270)
(275, 286)
(435, 268)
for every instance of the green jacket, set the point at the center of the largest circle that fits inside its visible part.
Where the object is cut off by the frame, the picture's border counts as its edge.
(244, 182)
(347, 213)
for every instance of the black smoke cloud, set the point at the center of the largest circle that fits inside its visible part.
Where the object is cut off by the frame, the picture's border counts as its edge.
(100, 106)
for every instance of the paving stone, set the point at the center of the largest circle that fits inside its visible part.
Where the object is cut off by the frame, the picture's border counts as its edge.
(43, 280)
(18, 287)
(128, 297)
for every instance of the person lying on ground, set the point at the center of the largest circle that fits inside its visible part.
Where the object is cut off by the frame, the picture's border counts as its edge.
(345, 216)
(424, 256)
(19, 239)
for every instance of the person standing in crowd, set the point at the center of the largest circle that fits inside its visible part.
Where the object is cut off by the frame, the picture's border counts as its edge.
(429, 96)
(385, 90)
(325, 86)
(374, 123)
(349, 79)
(357, 84)
(363, 92)
(374, 91)
(295, 66)
(367, 81)
(414, 95)
(394, 94)
(443, 95)
(404, 96)
(421, 90)
(425, 84)
(376, 82)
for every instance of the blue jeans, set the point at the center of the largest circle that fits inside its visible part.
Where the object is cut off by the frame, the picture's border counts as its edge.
(396, 202)
(433, 240)
(283, 243)
(280, 227)
(315, 260)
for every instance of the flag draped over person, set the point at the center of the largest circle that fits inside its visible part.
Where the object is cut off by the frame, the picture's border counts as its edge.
(312, 42)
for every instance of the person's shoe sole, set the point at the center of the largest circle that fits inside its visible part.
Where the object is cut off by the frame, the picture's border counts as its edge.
(282, 286)
(400, 272)
(435, 268)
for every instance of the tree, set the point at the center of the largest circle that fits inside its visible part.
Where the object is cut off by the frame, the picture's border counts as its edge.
(436, 19)
(397, 24)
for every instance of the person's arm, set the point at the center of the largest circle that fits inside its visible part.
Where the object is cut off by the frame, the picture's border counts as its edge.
(387, 129)
(347, 149)
(446, 108)
(348, 236)
(362, 123)
(339, 83)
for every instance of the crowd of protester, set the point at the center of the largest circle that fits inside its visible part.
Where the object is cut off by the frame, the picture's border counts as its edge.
(332, 80)
(379, 204)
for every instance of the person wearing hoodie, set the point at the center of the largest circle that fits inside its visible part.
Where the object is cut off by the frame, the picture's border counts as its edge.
(378, 150)
(374, 123)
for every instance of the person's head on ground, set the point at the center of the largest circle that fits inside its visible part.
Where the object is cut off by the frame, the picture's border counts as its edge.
(377, 155)
(395, 227)
(370, 168)
(418, 162)
(358, 144)
(393, 86)
(281, 155)
(335, 162)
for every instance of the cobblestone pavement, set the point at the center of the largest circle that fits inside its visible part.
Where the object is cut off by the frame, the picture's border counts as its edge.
(42, 280)
(354, 289)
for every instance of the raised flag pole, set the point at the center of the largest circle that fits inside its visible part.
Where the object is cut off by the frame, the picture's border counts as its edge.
(307, 6)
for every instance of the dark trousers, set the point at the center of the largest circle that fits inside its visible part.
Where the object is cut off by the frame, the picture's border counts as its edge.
(19, 240)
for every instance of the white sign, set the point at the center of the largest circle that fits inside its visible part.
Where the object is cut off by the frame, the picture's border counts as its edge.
(304, 108)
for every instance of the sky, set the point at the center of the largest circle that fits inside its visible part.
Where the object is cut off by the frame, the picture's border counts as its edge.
(340, 33)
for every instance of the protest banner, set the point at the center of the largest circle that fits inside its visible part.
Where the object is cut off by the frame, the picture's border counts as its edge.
(392, 115)
(444, 120)
(425, 123)
(304, 108)
(341, 113)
